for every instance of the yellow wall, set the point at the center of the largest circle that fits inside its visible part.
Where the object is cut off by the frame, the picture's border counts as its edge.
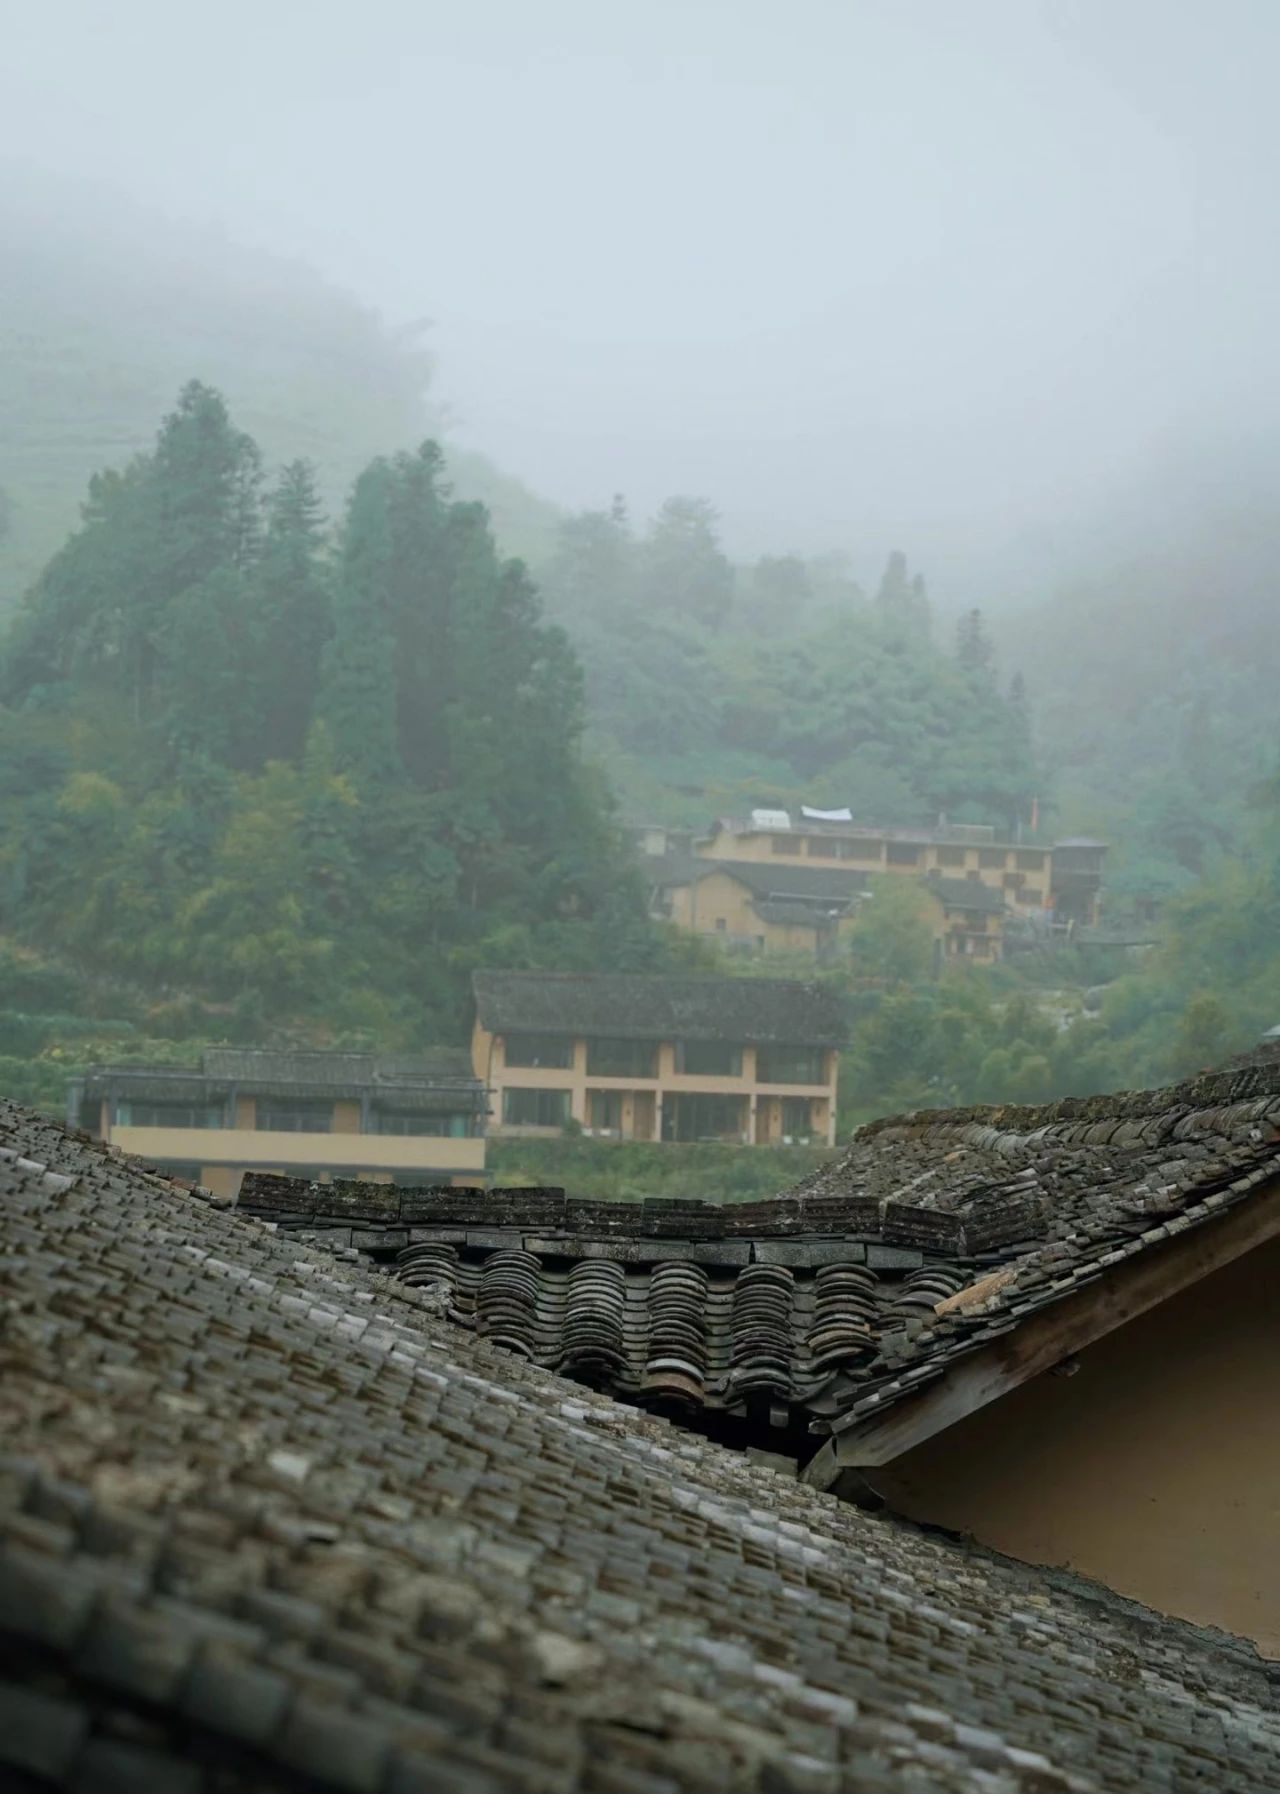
(340, 1153)
(488, 1063)
(1155, 1468)
(702, 904)
(952, 859)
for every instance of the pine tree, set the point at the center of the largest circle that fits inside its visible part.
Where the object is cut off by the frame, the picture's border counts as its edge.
(293, 616)
(902, 601)
(974, 649)
(358, 675)
(682, 568)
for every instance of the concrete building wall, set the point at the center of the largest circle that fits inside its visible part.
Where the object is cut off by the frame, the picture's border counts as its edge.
(1002, 866)
(647, 1095)
(1154, 1468)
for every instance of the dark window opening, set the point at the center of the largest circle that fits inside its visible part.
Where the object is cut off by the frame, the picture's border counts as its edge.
(535, 1108)
(552, 1051)
(709, 1059)
(622, 1058)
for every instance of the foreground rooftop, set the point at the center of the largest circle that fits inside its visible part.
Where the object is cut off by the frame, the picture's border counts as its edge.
(269, 1520)
(927, 1242)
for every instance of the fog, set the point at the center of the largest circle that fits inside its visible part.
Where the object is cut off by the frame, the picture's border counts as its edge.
(949, 276)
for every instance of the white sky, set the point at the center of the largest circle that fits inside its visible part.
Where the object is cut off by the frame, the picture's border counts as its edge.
(928, 273)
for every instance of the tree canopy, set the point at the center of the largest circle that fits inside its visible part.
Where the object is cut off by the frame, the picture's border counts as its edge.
(301, 771)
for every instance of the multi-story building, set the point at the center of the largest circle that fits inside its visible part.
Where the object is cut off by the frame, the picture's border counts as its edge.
(404, 1120)
(759, 907)
(782, 880)
(749, 1060)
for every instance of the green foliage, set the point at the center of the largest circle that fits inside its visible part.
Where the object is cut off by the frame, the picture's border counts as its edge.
(781, 684)
(629, 1170)
(302, 783)
(103, 317)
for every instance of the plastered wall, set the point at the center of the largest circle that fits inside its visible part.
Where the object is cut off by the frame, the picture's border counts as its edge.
(1154, 1468)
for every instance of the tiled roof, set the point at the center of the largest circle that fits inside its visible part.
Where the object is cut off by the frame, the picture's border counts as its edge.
(968, 894)
(247, 1065)
(268, 1522)
(781, 1010)
(786, 879)
(269, 1071)
(822, 1304)
(837, 885)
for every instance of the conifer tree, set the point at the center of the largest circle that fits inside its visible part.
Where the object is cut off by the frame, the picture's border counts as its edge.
(902, 601)
(358, 679)
(293, 615)
(681, 564)
(974, 649)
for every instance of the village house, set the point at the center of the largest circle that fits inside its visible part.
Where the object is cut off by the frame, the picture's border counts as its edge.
(786, 880)
(356, 1115)
(762, 907)
(749, 1060)
(1056, 1330)
(272, 1519)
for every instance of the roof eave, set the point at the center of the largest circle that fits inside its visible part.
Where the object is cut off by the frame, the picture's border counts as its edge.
(1054, 1333)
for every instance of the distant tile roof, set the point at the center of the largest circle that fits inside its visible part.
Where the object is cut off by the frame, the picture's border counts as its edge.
(837, 885)
(270, 1071)
(268, 1521)
(968, 894)
(824, 1301)
(786, 1011)
(765, 879)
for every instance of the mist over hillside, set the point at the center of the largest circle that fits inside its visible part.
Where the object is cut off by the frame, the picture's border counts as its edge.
(1145, 626)
(107, 309)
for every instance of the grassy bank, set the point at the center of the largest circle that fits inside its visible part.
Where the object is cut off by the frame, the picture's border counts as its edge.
(627, 1170)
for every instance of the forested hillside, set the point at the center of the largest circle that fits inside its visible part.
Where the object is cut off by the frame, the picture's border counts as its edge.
(257, 775)
(264, 772)
(106, 312)
(1153, 667)
(712, 688)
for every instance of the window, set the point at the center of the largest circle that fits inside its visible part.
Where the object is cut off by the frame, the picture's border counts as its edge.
(1013, 881)
(606, 1111)
(1030, 862)
(796, 1117)
(276, 1117)
(822, 847)
(721, 924)
(688, 1117)
(790, 1065)
(535, 1108)
(160, 1114)
(549, 1050)
(622, 1058)
(788, 843)
(446, 1125)
(903, 856)
(992, 859)
(951, 856)
(709, 1059)
(868, 852)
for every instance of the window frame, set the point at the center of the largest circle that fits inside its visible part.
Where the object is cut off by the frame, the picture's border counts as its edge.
(601, 1065)
(544, 1055)
(318, 1115)
(537, 1096)
(183, 1116)
(732, 1050)
(767, 1070)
